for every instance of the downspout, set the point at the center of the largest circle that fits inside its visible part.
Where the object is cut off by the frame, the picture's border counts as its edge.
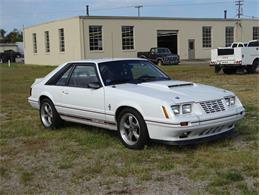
(82, 38)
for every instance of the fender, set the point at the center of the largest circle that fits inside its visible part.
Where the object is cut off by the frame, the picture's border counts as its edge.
(46, 93)
(130, 104)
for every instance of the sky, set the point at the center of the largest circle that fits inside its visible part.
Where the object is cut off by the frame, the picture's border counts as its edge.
(19, 13)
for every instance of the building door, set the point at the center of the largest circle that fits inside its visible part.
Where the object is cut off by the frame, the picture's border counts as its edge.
(191, 49)
(168, 39)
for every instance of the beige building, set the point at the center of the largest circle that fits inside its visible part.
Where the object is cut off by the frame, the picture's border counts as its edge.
(86, 37)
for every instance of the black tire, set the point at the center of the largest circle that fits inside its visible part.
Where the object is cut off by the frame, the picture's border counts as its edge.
(254, 67)
(50, 121)
(141, 130)
(229, 71)
(159, 62)
(217, 69)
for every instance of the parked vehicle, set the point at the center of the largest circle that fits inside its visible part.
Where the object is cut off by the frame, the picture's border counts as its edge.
(238, 44)
(9, 55)
(135, 98)
(160, 56)
(230, 59)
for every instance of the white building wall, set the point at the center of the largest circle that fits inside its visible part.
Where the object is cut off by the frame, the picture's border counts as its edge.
(54, 57)
(145, 31)
(145, 36)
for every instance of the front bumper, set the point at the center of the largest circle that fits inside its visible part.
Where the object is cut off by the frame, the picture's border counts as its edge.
(195, 131)
(169, 62)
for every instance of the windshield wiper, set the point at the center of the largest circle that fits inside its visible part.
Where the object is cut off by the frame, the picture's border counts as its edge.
(122, 81)
(147, 78)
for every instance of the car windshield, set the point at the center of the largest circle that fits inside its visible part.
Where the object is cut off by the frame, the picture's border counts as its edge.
(130, 71)
(163, 51)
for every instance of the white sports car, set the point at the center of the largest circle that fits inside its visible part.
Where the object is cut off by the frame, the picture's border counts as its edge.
(135, 98)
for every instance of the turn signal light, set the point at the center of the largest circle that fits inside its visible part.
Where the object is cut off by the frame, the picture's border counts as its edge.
(165, 112)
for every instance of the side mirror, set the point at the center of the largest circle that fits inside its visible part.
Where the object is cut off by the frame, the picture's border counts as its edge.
(94, 85)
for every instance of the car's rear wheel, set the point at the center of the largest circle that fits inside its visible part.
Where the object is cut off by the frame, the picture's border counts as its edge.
(48, 115)
(132, 129)
(254, 68)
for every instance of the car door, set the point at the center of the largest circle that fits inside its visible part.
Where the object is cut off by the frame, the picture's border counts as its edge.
(78, 99)
(56, 85)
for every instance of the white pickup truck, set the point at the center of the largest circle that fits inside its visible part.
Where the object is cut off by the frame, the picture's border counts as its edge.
(231, 59)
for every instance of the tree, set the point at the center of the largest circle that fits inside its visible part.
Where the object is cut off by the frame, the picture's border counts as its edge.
(14, 36)
(2, 33)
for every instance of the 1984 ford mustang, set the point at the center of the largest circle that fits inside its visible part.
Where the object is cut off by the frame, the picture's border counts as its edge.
(137, 99)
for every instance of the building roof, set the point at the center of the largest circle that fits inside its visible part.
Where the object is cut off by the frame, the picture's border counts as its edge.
(162, 18)
(8, 44)
(142, 18)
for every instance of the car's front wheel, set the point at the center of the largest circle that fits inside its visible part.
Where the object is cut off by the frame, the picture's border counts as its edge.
(159, 62)
(48, 115)
(132, 129)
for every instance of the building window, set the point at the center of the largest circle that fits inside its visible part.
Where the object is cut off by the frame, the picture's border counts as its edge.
(127, 37)
(229, 35)
(34, 43)
(206, 36)
(62, 40)
(95, 38)
(47, 41)
(255, 33)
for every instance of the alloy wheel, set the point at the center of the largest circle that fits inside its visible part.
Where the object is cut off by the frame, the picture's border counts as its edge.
(129, 129)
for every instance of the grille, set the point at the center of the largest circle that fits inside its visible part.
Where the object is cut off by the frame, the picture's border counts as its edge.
(211, 130)
(212, 106)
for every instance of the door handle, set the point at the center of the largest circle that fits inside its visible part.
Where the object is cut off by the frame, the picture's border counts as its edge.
(65, 92)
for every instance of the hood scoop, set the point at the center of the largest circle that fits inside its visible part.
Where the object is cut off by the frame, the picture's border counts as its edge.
(180, 85)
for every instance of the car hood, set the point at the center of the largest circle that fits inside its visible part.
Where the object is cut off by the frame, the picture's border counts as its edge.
(176, 91)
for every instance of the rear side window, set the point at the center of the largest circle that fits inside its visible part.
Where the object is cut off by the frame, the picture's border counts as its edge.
(223, 52)
(253, 44)
(62, 81)
(83, 75)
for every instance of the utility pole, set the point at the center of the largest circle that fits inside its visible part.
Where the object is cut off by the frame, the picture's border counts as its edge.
(87, 10)
(239, 4)
(138, 7)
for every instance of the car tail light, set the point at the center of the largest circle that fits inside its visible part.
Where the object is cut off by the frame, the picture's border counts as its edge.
(238, 62)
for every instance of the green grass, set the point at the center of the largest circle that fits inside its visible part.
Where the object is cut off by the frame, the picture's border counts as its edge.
(83, 159)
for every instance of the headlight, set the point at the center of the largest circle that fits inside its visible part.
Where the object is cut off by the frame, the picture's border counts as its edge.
(232, 101)
(227, 101)
(186, 108)
(176, 109)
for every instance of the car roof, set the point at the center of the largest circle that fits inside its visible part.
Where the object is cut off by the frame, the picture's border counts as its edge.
(104, 60)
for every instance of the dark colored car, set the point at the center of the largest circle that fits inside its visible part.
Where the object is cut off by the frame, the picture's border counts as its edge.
(160, 56)
(10, 55)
